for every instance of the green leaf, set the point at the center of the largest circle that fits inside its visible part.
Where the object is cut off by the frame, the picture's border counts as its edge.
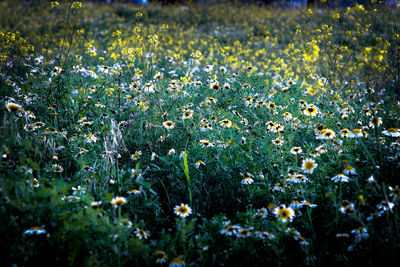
(155, 166)
(186, 168)
(95, 176)
(108, 196)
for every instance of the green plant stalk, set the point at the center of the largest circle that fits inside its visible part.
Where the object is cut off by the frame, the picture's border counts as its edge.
(391, 212)
(312, 226)
(66, 29)
(382, 186)
(369, 156)
(119, 237)
(379, 145)
(186, 170)
(166, 191)
(398, 73)
(118, 176)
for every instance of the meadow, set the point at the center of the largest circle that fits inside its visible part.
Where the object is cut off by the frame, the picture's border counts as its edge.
(193, 135)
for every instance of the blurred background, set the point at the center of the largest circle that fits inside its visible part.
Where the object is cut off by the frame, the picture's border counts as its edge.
(278, 3)
(275, 3)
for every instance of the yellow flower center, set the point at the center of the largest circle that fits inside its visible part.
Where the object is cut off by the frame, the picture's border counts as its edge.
(182, 210)
(309, 165)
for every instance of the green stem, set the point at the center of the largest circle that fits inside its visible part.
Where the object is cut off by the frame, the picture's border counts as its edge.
(119, 238)
(186, 170)
(118, 176)
(369, 156)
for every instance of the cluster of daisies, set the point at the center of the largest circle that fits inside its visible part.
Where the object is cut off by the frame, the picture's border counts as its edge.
(209, 102)
(282, 212)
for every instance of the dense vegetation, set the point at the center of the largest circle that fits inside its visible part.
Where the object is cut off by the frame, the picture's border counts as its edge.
(198, 135)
